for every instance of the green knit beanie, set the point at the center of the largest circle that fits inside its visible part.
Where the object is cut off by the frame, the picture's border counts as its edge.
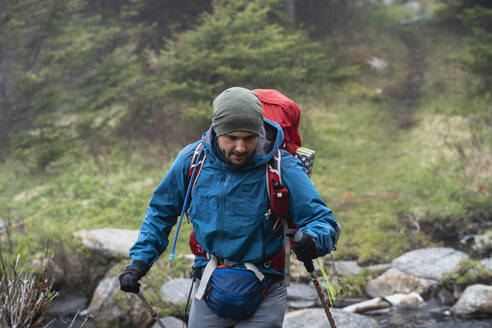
(237, 109)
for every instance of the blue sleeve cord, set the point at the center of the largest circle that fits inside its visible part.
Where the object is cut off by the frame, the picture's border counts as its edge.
(185, 207)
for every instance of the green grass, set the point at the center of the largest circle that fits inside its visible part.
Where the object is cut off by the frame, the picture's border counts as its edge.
(81, 193)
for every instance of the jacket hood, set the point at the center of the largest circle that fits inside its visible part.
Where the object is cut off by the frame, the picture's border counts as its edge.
(270, 139)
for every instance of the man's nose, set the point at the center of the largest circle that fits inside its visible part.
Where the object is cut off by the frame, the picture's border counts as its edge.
(240, 146)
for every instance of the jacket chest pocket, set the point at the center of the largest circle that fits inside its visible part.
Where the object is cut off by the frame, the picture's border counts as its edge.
(248, 200)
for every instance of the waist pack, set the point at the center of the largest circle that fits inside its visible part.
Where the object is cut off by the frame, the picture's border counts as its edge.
(235, 293)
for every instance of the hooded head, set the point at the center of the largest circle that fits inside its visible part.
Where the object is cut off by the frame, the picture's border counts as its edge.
(237, 122)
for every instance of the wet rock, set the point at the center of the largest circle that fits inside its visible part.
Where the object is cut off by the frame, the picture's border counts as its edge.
(475, 299)
(170, 322)
(395, 281)
(446, 297)
(107, 241)
(370, 305)
(430, 263)
(68, 304)
(316, 318)
(301, 295)
(487, 263)
(176, 291)
(112, 307)
(412, 300)
(347, 268)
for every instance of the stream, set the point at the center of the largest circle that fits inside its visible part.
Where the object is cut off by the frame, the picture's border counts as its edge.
(430, 315)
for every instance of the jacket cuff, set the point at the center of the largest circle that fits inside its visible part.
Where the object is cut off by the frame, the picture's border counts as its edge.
(140, 265)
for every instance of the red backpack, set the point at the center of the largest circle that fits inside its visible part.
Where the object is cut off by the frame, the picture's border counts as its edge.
(279, 108)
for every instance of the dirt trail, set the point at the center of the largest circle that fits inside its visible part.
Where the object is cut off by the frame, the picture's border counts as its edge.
(408, 92)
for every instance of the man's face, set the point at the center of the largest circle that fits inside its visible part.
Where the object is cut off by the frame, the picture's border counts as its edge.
(237, 146)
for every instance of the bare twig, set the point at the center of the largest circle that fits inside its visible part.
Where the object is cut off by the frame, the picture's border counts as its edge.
(24, 295)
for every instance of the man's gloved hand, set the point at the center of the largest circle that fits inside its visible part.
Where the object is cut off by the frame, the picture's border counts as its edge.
(129, 279)
(304, 246)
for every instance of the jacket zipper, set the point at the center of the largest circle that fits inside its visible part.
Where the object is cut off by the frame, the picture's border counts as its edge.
(219, 228)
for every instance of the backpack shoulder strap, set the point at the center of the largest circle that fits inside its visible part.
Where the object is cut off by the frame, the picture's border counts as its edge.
(196, 165)
(279, 205)
(277, 192)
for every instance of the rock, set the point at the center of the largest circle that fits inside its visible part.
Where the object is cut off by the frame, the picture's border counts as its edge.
(446, 297)
(316, 318)
(395, 281)
(68, 305)
(3, 224)
(379, 268)
(374, 304)
(430, 263)
(114, 308)
(482, 244)
(347, 268)
(377, 64)
(487, 263)
(176, 291)
(170, 322)
(475, 299)
(107, 241)
(412, 300)
(301, 295)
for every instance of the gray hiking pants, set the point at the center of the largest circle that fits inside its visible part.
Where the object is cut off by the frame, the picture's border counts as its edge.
(269, 314)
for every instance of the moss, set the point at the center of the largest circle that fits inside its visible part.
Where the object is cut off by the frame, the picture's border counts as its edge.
(468, 273)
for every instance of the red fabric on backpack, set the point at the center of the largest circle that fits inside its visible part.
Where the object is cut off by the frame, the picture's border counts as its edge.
(279, 108)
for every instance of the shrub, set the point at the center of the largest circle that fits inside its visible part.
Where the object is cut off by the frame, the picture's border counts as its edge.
(478, 57)
(24, 296)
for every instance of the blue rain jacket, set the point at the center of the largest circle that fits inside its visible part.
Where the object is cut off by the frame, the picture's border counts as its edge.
(229, 204)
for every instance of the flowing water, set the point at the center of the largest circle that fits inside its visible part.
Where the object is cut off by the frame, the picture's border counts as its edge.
(431, 315)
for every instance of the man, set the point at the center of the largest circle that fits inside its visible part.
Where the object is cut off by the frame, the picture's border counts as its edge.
(229, 210)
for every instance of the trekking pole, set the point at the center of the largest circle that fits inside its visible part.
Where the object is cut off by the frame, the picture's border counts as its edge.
(296, 236)
(151, 311)
(310, 269)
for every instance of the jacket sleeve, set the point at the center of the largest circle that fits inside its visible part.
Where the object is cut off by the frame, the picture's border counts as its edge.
(306, 208)
(161, 215)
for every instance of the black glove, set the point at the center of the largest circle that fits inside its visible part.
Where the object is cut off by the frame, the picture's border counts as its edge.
(304, 246)
(129, 279)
